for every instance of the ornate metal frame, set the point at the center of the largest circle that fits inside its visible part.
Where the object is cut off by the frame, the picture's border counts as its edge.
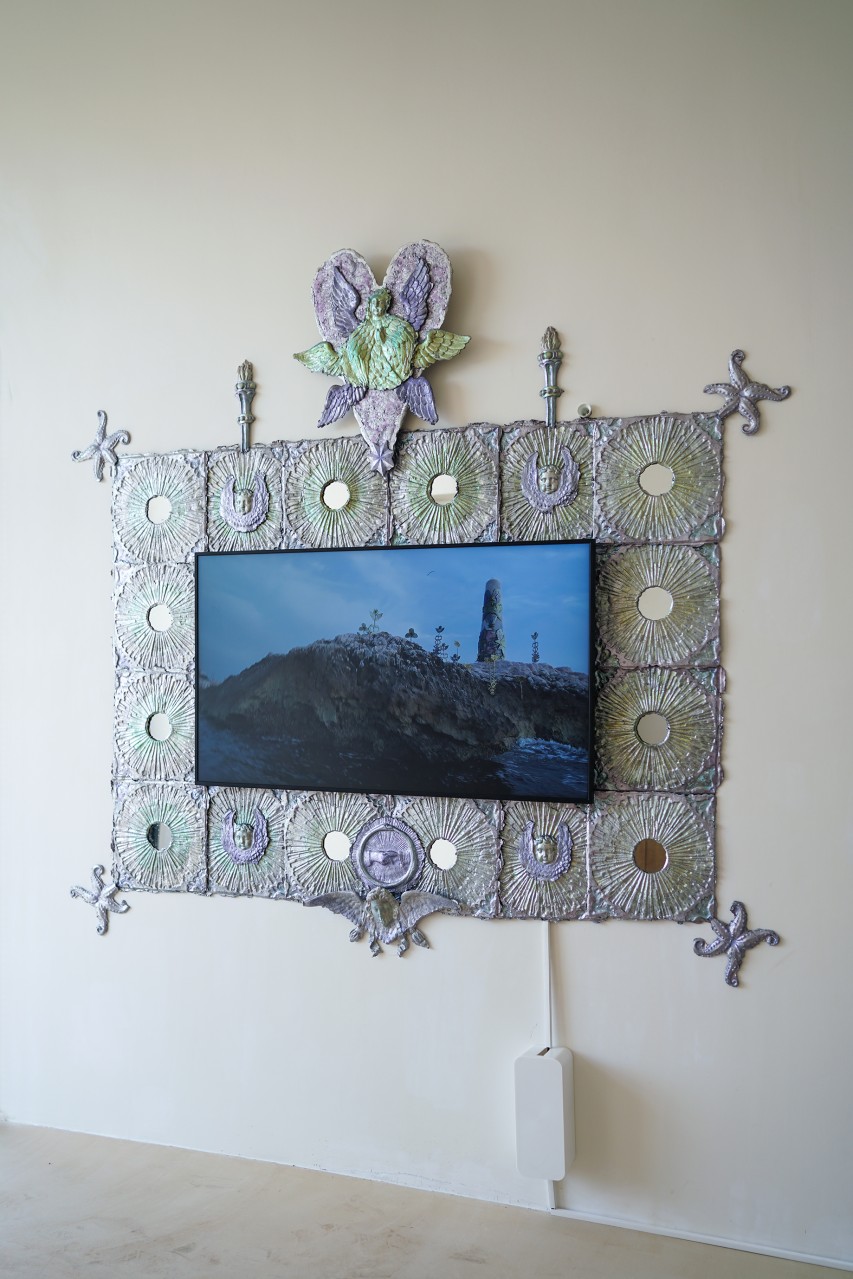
(524, 481)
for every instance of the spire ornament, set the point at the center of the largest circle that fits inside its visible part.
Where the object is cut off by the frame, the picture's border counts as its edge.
(245, 392)
(550, 359)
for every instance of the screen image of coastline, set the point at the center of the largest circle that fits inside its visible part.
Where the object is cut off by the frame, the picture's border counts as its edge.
(452, 670)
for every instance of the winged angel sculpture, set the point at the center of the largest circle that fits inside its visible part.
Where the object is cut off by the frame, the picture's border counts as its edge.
(381, 340)
(384, 917)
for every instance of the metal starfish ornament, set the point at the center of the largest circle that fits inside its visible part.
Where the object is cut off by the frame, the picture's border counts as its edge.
(381, 339)
(103, 448)
(385, 917)
(102, 897)
(742, 396)
(734, 939)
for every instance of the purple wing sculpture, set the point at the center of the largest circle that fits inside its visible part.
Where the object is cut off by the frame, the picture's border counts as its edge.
(414, 296)
(370, 345)
(339, 401)
(416, 394)
(345, 300)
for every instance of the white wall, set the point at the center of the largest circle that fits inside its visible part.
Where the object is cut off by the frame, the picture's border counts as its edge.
(663, 182)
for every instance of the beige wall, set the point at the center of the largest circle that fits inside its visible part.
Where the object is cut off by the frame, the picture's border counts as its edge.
(663, 182)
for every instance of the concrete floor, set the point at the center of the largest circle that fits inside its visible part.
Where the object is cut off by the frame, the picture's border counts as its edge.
(72, 1204)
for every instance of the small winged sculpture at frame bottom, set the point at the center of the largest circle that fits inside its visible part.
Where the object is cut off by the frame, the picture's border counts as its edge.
(384, 917)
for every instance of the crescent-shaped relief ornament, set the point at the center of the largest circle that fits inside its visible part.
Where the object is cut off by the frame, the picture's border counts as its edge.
(246, 843)
(245, 515)
(552, 485)
(545, 856)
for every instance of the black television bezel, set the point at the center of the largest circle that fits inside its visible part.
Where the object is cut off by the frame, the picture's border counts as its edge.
(333, 550)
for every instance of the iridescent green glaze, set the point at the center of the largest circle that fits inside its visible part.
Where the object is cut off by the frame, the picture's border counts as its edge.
(140, 755)
(469, 459)
(315, 816)
(309, 521)
(178, 865)
(684, 760)
(265, 877)
(169, 587)
(174, 477)
(688, 634)
(522, 896)
(683, 887)
(521, 521)
(472, 829)
(383, 350)
(685, 446)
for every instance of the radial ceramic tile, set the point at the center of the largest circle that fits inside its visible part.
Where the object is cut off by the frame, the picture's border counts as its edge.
(244, 500)
(159, 838)
(652, 856)
(544, 872)
(464, 835)
(332, 497)
(468, 457)
(546, 482)
(158, 508)
(155, 617)
(659, 605)
(246, 843)
(154, 735)
(659, 479)
(657, 729)
(320, 832)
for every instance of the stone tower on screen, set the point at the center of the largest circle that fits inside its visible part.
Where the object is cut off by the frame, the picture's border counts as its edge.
(492, 644)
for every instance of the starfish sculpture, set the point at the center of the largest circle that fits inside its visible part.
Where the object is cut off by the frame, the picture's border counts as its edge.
(103, 448)
(734, 939)
(380, 341)
(102, 897)
(741, 395)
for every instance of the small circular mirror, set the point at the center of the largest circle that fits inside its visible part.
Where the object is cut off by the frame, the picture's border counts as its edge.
(443, 489)
(159, 617)
(652, 728)
(159, 726)
(336, 846)
(656, 479)
(443, 854)
(158, 509)
(159, 836)
(650, 856)
(655, 603)
(336, 495)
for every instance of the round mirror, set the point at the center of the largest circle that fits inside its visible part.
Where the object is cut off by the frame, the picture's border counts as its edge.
(159, 617)
(336, 846)
(656, 479)
(159, 726)
(159, 836)
(158, 509)
(649, 856)
(655, 603)
(652, 728)
(443, 854)
(336, 495)
(443, 489)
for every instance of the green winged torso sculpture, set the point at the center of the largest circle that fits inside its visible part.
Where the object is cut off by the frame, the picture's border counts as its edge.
(382, 356)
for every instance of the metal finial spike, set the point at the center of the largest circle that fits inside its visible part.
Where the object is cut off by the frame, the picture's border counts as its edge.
(245, 392)
(550, 359)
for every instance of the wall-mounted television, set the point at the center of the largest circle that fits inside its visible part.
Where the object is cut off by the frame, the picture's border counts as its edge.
(440, 670)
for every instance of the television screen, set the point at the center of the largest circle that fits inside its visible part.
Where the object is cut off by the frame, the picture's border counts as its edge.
(440, 670)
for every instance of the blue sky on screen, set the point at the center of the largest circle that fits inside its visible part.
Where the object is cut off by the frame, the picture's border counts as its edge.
(253, 604)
